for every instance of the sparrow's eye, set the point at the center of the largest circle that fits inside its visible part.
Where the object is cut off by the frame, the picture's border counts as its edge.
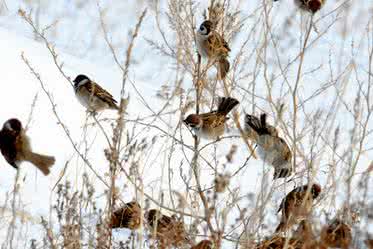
(203, 30)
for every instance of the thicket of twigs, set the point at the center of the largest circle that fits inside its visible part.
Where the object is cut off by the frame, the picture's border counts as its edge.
(322, 108)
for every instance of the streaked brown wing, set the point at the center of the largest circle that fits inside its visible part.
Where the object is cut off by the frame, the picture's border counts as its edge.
(217, 45)
(96, 90)
(213, 119)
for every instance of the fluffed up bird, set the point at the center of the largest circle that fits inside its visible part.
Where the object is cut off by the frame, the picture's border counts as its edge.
(15, 147)
(309, 5)
(297, 205)
(211, 125)
(212, 45)
(128, 216)
(271, 148)
(336, 235)
(92, 96)
(167, 230)
(204, 244)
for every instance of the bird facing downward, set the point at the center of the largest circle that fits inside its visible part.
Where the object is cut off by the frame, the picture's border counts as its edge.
(271, 148)
(309, 5)
(15, 147)
(92, 96)
(297, 205)
(213, 46)
(211, 125)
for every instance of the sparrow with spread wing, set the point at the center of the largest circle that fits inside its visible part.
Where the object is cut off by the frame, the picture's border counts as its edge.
(92, 96)
(297, 205)
(128, 216)
(211, 125)
(212, 45)
(271, 148)
(309, 5)
(15, 147)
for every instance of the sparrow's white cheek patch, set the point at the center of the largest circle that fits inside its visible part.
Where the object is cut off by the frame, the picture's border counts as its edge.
(8, 127)
(83, 82)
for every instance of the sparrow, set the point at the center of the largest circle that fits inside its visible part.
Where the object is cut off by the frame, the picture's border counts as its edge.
(15, 147)
(337, 234)
(211, 125)
(271, 148)
(93, 96)
(128, 216)
(212, 45)
(204, 244)
(309, 5)
(168, 230)
(297, 205)
(278, 242)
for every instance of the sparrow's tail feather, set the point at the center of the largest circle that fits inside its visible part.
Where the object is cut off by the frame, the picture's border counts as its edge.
(43, 163)
(282, 173)
(226, 104)
(223, 67)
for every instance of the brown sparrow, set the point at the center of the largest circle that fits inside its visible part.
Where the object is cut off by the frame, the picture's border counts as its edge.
(212, 45)
(15, 147)
(278, 242)
(167, 230)
(297, 205)
(271, 148)
(204, 244)
(211, 125)
(337, 235)
(309, 5)
(128, 216)
(92, 96)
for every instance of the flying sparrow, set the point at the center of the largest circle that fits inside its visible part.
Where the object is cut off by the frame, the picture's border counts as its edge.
(167, 230)
(297, 205)
(271, 148)
(204, 244)
(211, 125)
(15, 147)
(92, 96)
(309, 5)
(212, 45)
(337, 235)
(128, 216)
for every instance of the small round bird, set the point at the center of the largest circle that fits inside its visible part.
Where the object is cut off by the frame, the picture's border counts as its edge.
(15, 147)
(297, 205)
(128, 216)
(309, 5)
(271, 148)
(92, 96)
(211, 125)
(212, 45)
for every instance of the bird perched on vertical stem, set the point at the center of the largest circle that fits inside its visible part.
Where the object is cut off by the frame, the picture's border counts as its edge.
(211, 125)
(297, 205)
(212, 45)
(337, 234)
(271, 148)
(167, 230)
(128, 216)
(93, 96)
(309, 5)
(15, 147)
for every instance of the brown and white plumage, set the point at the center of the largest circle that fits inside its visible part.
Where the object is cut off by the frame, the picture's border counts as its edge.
(92, 96)
(337, 234)
(278, 242)
(167, 230)
(128, 216)
(211, 125)
(271, 148)
(297, 205)
(309, 5)
(15, 147)
(213, 46)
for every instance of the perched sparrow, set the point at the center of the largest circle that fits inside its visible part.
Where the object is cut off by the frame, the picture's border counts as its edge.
(15, 147)
(271, 148)
(337, 235)
(204, 244)
(212, 124)
(278, 242)
(213, 46)
(92, 96)
(128, 216)
(297, 205)
(167, 230)
(309, 5)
